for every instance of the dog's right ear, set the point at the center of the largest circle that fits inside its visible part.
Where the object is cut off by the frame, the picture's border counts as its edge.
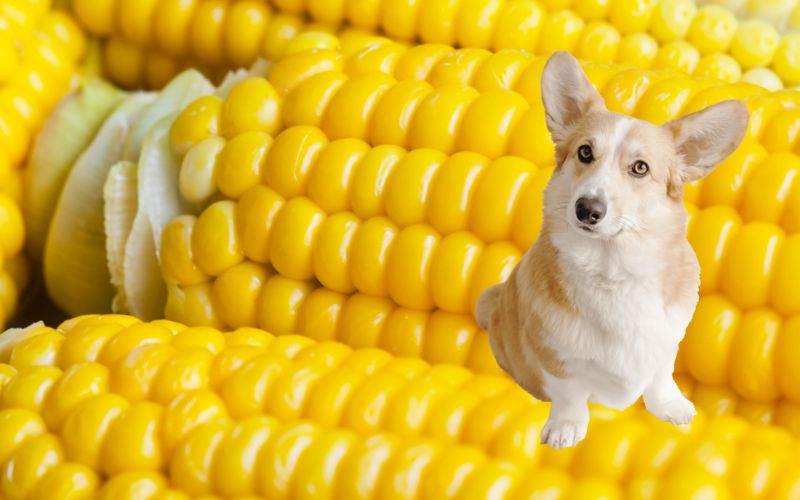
(566, 94)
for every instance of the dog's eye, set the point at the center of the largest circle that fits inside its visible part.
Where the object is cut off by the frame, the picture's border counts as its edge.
(585, 154)
(639, 168)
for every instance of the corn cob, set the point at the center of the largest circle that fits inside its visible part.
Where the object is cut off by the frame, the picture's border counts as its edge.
(39, 52)
(305, 206)
(147, 43)
(192, 411)
(674, 33)
(432, 253)
(403, 113)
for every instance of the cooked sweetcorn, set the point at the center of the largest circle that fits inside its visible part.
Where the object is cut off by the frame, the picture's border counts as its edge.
(707, 41)
(423, 223)
(147, 43)
(130, 409)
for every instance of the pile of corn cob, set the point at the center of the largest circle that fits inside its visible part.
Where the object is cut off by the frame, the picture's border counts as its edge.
(39, 54)
(353, 197)
(150, 40)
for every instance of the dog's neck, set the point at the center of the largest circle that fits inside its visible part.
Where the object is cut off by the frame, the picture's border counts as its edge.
(625, 257)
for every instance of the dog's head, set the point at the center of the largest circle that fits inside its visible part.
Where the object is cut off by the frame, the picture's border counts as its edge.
(615, 173)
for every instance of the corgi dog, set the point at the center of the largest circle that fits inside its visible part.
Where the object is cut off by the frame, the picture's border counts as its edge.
(595, 309)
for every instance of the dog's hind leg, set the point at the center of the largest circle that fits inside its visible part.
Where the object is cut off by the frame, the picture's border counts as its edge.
(487, 302)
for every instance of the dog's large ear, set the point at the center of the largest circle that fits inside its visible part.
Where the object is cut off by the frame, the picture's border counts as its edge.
(706, 137)
(566, 94)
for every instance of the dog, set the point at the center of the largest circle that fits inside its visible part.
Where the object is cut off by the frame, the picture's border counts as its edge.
(595, 309)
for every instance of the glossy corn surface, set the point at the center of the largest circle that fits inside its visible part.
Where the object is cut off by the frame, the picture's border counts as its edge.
(109, 407)
(370, 221)
(40, 51)
(784, 15)
(146, 43)
(706, 41)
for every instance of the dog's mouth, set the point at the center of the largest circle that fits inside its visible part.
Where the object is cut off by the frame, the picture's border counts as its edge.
(594, 232)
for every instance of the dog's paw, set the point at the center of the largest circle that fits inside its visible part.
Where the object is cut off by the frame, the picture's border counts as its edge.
(563, 433)
(677, 411)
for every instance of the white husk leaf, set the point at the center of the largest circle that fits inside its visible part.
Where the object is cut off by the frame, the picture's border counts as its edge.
(75, 273)
(176, 95)
(120, 194)
(69, 129)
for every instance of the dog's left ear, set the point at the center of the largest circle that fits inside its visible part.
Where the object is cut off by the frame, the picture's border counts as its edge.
(567, 94)
(706, 137)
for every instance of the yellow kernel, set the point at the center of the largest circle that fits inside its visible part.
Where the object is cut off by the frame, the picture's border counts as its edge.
(638, 50)
(245, 23)
(255, 214)
(754, 43)
(28, 464)
(97, 17)
(134, 20)
(198, 121)
(78, 383)
(206, 32)
(236, 291)
(85, 429)
(192, 305)
(240, 163)
(330, 253)
(133, 441)
(29, 388)
(18, 427)
(562, 31)
(128, 339)
(133, 485)
(719, 66)
(171, 25)
(196, 179)
(251, 106)
(279, 304)
(214, 243)
(65, 481)
(292, 238)
(713, 29)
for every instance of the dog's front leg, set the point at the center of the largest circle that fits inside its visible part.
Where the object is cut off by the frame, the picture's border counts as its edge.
(664, 399)
(569, 417)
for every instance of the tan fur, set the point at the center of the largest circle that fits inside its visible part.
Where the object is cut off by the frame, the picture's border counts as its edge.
(679, 277)
(517, 334)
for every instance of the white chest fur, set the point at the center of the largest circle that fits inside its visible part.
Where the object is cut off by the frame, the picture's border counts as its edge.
(623, 332)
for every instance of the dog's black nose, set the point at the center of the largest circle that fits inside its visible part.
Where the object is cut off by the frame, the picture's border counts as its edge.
(590, 210)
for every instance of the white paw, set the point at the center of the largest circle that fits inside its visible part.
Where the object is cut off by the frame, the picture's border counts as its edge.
(563, 433)
(677, 411)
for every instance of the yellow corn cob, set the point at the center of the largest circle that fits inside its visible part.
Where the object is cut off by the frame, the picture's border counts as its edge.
(382, 111)
(425, 227)
(149, 42)
(783, 14)
(109, 406)
(706, 41)
(39, 52)
(433, 252)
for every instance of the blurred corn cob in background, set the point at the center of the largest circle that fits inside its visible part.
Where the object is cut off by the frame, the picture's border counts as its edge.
(40, 51)
(155, 39)
(110, 406)
(783, 14)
